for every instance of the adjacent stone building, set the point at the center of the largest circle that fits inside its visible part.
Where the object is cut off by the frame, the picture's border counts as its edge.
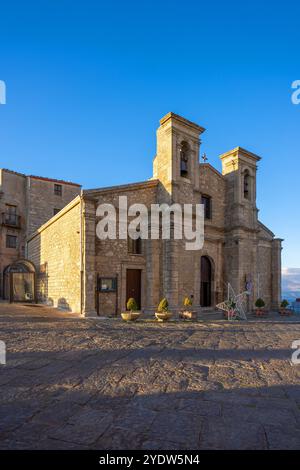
(77, 271)
(26, 202)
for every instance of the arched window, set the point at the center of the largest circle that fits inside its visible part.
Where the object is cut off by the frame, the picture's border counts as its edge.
(247, 185)
(184, 159)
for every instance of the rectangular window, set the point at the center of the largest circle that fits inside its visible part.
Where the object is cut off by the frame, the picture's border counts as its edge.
(58, 189)
(134, 246)
(10, 216)
(11, 241)
(206, 201)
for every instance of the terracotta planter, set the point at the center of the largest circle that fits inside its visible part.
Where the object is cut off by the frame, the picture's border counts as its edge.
(130, 316)
(284, 311)
(259, 312)
(188, 315)
(163, 316)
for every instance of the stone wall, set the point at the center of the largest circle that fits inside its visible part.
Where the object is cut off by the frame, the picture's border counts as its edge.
(42, 200)
(55, 251)
(276, 272)
(12, 192)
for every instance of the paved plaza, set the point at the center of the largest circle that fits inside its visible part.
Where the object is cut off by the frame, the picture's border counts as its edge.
(73, 383)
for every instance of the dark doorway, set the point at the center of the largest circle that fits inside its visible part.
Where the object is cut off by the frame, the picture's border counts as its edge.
(206, 282)
(19, 282)
(133, 285)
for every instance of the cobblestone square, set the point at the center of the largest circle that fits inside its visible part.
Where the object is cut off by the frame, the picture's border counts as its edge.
(73, 383)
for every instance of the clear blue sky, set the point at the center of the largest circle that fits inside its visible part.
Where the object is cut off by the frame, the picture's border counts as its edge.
(88, 81)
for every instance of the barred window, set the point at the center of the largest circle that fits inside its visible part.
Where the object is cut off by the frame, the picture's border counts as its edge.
(206, 201)
(58, 189)
(135, 246)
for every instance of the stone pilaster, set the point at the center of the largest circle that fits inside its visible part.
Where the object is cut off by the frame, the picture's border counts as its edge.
(276, 272)
(88, 258)
(170, 272)
(153, 286)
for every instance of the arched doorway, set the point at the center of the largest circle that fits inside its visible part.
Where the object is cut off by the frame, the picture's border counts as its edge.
(19, 282)
(206, 282)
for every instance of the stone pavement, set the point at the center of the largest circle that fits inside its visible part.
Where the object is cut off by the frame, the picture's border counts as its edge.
(72, 383)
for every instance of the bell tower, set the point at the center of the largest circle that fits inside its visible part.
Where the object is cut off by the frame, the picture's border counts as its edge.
(239, 167)
(177, 158)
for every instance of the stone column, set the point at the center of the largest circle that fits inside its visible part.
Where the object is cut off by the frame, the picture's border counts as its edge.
(152, 252)
(170, 272)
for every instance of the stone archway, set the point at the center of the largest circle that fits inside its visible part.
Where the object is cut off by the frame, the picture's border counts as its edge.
(19, 282)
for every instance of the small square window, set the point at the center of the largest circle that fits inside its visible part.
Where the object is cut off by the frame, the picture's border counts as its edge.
(11, 241)
(58, 189)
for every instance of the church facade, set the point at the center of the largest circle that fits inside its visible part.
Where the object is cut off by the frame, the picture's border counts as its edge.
(77, 271)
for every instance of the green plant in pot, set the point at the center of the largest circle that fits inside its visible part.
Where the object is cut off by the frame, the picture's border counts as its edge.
(163, 313)
(260, 304)
(132, 313)
(188, 313)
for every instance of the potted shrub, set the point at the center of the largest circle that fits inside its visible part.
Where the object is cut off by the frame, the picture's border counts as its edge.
(163, 313)
(132, 314)
(188, 313)
(259, 304)
(284, 308)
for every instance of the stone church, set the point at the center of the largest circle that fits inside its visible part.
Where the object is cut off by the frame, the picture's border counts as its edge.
(76, 271)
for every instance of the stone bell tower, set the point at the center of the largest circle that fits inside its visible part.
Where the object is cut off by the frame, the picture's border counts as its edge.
(176, 166)
(177, 159)
(239, 168)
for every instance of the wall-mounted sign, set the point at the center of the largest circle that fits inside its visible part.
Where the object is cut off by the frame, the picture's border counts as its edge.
(107, 284)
